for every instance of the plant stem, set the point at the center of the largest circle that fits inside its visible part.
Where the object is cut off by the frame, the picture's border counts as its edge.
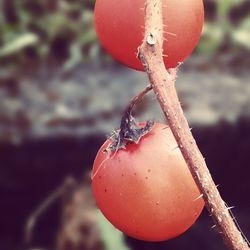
(126, 121)
(130, 130)
(163, 83)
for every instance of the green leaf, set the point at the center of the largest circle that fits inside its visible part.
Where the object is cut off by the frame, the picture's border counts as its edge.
(211, 39)
(113, 238)
(241, 35)
(224, 6)
(18, 44)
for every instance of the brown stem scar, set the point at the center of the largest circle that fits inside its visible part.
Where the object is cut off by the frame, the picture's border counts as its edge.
(151, 40)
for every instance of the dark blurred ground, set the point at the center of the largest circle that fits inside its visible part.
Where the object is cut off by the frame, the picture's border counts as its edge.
(57, 107)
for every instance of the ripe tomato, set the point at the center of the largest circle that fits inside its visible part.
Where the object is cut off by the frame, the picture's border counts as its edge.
(146, 190)
(120, 28)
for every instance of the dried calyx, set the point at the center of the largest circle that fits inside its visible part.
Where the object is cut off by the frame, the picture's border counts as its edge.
(130, 131)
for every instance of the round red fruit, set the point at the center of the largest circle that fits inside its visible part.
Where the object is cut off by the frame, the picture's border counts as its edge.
(120, 28)
(146, 190)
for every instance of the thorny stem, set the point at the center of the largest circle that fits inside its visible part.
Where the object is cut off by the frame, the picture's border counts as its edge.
(130, 131)
(163, 83)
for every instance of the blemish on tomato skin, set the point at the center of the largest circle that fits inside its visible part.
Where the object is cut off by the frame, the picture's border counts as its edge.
(157, 203)
(105, 190)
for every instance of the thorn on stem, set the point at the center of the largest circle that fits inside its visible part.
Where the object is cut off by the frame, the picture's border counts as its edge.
(199, 197)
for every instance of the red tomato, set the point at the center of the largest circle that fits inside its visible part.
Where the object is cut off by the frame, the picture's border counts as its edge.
(119, 26)
(146, 190)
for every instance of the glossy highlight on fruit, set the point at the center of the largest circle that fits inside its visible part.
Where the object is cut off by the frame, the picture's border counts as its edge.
(146, 190)
(120, 28)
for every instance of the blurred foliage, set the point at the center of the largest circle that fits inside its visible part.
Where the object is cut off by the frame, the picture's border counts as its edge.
(112, 237)
(229, 27)
(62, 30)
(59, 30)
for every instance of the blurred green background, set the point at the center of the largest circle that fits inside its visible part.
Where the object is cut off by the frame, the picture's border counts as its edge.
(61, 95)
(62, 31)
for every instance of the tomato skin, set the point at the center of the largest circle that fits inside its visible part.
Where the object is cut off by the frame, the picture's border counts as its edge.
(147, 190)
(120, 28)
